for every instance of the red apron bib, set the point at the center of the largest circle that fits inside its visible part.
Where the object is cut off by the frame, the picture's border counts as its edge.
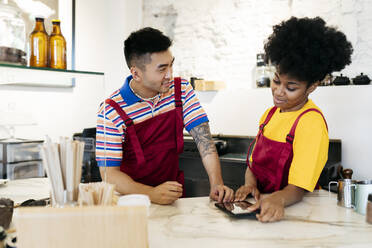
(272, 159)
(151, 147)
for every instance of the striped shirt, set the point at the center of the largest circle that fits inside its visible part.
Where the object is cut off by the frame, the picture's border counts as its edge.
(140, 110)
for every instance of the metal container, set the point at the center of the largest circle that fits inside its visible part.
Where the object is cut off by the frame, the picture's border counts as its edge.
(345, 192)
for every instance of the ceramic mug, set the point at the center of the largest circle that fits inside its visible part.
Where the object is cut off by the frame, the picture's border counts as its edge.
(362, 190)
(345, 192)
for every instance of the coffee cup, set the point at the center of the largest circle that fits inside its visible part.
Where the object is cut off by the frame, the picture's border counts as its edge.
(362, 190)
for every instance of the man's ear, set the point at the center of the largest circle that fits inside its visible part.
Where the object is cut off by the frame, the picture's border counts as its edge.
(312, 87)
(136, 73)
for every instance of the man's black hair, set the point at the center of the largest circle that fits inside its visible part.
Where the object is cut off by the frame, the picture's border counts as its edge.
(307, 50)
(140, 44)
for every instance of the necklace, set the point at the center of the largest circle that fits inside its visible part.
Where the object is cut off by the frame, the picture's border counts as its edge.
(140, 97)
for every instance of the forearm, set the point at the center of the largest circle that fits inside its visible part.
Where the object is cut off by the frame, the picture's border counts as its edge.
(208, 153)
(289, 195)
(213, 168)
(250, 179)
(124, 184)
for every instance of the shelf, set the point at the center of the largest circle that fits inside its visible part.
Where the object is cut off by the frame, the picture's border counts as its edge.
(17, 75)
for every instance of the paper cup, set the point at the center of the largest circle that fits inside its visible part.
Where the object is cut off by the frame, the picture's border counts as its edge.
(135, 200)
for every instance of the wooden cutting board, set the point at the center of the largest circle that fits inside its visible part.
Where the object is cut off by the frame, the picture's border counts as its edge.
(81, 227)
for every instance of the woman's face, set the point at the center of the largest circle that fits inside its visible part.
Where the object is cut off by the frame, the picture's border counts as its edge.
(290, 94)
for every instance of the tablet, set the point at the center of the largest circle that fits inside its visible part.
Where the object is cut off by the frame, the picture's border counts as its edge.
(237, 209)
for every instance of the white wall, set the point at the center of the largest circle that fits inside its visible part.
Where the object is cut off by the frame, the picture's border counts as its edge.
(41, 111)
(101, 28)
(217, 39)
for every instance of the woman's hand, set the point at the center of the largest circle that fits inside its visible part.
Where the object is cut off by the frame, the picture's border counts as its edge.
(245, 190)
(272, 206)
(272, 209)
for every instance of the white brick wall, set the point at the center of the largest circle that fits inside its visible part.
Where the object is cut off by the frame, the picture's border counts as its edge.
(218, 39)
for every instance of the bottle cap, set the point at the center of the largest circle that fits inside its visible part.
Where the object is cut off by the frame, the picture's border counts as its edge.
(370, 197)
(56, 21)
(39, 18)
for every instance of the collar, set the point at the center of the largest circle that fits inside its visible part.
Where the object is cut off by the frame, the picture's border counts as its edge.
(127, 94)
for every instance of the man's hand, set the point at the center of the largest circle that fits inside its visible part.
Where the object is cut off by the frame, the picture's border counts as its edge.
(245, 190)
(221, 192)
(166, 193)
(272, 209)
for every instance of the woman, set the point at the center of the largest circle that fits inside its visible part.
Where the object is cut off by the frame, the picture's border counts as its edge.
(291, 147)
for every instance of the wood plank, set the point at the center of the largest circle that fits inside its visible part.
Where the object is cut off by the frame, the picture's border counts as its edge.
(82, 227)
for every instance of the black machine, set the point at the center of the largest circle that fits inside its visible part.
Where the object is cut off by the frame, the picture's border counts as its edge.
(90, 171)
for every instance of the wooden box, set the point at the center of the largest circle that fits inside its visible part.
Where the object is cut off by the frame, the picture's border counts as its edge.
(203, 85)
(81, 227)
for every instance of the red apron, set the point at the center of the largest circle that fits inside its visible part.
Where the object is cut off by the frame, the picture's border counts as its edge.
(151, 147)
(272, 159)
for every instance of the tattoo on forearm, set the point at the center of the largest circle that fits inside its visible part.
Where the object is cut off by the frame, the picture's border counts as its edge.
(203, 139)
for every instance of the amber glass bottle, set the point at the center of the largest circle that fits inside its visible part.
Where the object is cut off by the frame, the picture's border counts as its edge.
(39, 44)
(57, 47)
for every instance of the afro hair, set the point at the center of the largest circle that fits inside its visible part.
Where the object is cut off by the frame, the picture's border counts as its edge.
(307, 50)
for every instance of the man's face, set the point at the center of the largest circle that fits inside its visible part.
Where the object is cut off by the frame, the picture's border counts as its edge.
(156, 76)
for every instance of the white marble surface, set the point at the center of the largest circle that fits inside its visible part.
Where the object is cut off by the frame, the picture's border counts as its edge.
(24, 189)
(195, 222)
(315, 222)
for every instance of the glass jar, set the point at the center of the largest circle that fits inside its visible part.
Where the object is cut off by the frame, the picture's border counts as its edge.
(57, 47)
(263, 72)
(12, 34)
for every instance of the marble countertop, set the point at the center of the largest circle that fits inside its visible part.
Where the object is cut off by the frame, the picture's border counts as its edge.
(25, 189)
(317, 221)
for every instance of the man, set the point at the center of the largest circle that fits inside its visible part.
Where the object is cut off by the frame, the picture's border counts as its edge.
(144, 123)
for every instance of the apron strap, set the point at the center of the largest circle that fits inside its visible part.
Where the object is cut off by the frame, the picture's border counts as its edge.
(179, 114)
(130, 130)
(290, 136)
(268, 118)
(288, 149)
(260, 131)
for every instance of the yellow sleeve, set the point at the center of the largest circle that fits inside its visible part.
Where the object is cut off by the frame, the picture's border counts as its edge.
(310, 151)
(263, 117)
